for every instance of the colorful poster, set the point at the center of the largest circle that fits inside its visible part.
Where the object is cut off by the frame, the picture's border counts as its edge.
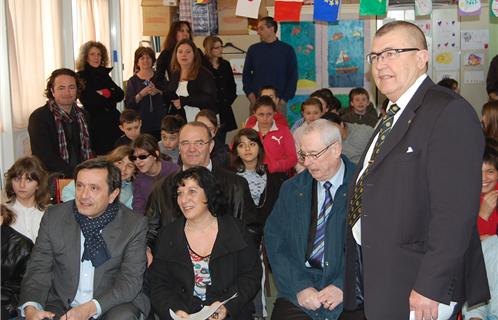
(373, 7)
(345, 54)
(493, 8)
(294, 108)
(446, 59)
(469, 7)
(301, 36)
(248, 8)
(288, 10)
(474, 39)
(423, 7)
(326, 10)
(474, 59)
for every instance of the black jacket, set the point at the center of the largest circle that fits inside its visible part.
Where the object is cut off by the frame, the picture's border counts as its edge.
(202, 92)
(226, 92)
(44, 141)
(104, 129)
(239, 204)
(234, 266)
(269, 195)
(16, 249)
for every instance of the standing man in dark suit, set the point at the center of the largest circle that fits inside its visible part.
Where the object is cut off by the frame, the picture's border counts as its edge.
(89, 257)
(414, 205)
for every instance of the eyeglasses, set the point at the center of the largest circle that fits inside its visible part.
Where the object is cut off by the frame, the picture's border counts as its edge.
(387, 54)
(134, 158)
(303, 155)
(198, 144)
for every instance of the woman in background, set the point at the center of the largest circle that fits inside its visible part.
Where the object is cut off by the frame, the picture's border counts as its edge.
(121, 159)
(191, 87)
(151, 167)
(225, 84)
(179, 30)
(219, 154)
(144, 92)
(99, 96)
(16, 249)
(490, 119)
(205, 257)
(26, 186)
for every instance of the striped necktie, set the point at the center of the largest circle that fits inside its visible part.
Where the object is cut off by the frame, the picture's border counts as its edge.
(316, 256)
(384, 129)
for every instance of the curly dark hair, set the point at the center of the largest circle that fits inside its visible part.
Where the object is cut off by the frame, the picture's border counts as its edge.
(207, 182)
(62, 72)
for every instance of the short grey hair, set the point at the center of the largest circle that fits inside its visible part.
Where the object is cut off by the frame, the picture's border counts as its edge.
(328, 131)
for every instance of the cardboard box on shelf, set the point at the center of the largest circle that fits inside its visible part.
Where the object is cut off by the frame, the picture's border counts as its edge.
(228, 22)
(157, 20)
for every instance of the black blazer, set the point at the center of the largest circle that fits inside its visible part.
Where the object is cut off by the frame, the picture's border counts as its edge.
(227, 91)
(419, 209)
(202, 91)
(44, 141)
(234, 266)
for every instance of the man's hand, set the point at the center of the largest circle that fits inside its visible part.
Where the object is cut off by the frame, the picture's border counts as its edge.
(424, 308)
(221, 311)
(182, 314)
(330, 297)
(488, 204)
(34, 314)
(308, 298)
(149, 256)
(82, 312)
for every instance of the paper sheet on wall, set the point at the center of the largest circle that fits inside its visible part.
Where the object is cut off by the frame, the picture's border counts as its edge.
(444, 311)
(248, 8)
(423, 7)
(473, 77)
(446, 59)
(474, 59)
(440, 75)
(205, 312)
(474, 39)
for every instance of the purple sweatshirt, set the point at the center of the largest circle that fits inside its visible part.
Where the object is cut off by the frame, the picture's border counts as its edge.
(143, 184)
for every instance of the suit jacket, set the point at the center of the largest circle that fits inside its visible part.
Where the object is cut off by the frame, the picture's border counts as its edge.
(419, 208)
(52, 274)
(287, 240)
(234, 266)
(160, 206)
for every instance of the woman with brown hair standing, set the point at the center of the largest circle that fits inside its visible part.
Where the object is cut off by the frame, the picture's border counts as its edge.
(225, 83)
(191, 86)
(100, 96)
(144, 92)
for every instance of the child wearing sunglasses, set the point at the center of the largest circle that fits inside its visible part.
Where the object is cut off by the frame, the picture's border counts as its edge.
(151, 167)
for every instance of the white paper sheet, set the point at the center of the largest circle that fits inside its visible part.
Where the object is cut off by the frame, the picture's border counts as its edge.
(205, 312)
(444, 311)
(248, 8)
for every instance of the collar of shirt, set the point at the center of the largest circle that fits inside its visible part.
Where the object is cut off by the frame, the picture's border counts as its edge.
(336, 182)
(273, 127)
(209, 166)
(406, 97)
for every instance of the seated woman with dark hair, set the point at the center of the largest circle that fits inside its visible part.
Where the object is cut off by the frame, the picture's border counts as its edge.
(205, 257)
(16, 249)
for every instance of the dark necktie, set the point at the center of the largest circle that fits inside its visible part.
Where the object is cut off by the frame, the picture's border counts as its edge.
(316, 256)
(384, 128)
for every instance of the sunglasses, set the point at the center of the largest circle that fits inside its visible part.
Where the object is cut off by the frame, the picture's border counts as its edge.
(134, 158)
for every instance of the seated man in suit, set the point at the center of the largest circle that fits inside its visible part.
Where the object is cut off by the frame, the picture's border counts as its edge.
(58, 131)
(304, 234)
(195, 147)
(89, 257)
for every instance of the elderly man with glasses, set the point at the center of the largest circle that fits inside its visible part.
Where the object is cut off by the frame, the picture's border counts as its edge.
(195, 147)
(304, 235)
(412, 240)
